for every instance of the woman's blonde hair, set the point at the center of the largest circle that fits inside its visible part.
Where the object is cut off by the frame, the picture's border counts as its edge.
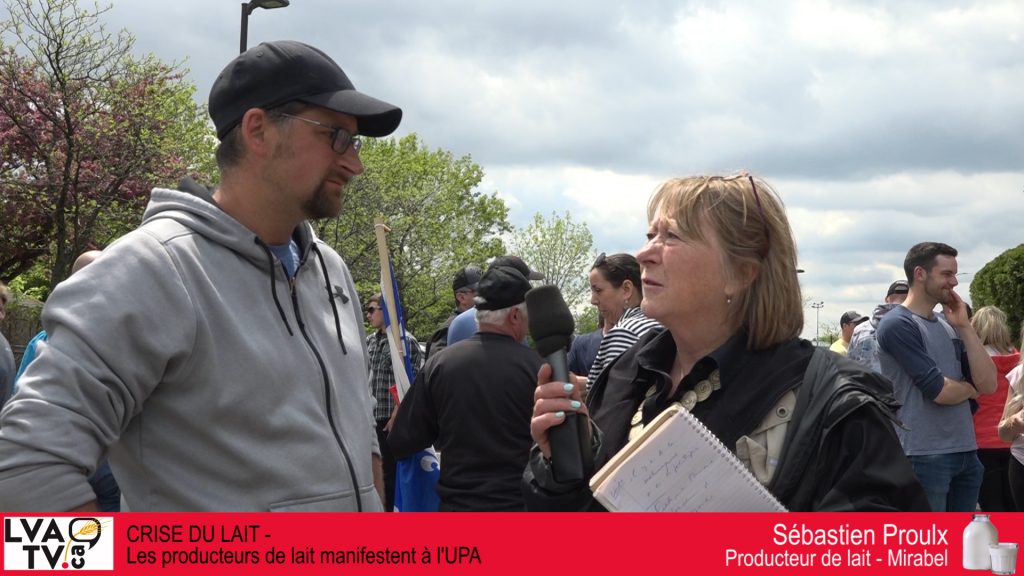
(990, 324)
(749, 221)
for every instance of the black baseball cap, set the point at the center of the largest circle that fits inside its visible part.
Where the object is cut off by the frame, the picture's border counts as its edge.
(501, 287)
(898, 287)
(468, 277)
(851, 317)
(517, 263)
(275, 73)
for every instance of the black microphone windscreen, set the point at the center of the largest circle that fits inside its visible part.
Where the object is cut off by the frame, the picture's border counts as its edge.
(551, 322)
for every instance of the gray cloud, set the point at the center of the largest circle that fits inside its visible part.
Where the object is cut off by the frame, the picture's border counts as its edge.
(881, 124)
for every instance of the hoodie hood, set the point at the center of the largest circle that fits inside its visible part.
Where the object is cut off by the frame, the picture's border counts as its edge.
(879, 311)
(195, 207)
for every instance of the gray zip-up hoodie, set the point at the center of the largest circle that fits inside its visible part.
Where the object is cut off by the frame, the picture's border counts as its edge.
(214, 381)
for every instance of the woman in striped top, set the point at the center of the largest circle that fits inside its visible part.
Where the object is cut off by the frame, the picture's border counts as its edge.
(616, 290)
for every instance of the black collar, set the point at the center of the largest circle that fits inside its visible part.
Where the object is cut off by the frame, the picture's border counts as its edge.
(752, 381)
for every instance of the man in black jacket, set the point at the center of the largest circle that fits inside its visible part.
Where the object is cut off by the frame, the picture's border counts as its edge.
(473, 403)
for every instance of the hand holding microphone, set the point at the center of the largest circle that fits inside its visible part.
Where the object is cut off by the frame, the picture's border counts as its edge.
(564, 439)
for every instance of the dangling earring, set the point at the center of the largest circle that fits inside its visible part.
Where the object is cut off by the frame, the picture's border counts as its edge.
(728, 300)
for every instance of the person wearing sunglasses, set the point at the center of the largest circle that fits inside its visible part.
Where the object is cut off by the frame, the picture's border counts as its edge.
(616, 290)
(382, 384)
(719, 273)
(229, 373)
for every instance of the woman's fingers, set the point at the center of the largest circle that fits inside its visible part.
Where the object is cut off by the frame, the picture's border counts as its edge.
(552, 401)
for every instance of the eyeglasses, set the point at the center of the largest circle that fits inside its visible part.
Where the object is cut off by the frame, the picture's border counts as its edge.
(372, 309)
(340, 137)
(760, 208)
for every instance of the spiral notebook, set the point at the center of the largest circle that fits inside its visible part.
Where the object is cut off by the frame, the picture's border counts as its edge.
(678, 465)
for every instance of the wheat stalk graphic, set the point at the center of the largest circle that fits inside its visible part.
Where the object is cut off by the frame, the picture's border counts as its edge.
(91, 527)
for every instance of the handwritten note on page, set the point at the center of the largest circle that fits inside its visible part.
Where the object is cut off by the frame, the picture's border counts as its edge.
(678, 465)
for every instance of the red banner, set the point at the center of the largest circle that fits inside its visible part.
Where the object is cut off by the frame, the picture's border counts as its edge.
(465, 544)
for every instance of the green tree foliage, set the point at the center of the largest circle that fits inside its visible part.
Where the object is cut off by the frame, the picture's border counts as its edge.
(1001, 283)
(830, 332)
(438, 218)
(586, 320)
(86, 130)
(561, 249)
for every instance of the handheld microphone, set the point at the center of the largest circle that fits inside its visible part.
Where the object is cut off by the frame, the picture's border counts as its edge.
(551, 327)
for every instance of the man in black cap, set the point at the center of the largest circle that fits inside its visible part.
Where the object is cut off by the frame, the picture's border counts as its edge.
(847, 322)
(464, 325)
(464, 289)
(474, 402)
(230, 371)
(864, 344)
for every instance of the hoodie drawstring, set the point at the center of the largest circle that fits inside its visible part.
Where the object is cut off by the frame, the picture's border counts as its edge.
(273, 285)
(330, 296)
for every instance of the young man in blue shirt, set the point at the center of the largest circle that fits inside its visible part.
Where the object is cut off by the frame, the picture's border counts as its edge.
(924, 354)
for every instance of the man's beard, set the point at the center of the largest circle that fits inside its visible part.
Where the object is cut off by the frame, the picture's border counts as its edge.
(320, 205)
(939, 294)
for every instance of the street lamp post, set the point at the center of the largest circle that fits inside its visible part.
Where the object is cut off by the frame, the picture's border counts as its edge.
(817, 321)
(247, 8)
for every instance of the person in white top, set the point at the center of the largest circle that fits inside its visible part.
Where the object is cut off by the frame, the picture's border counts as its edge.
(1011, 429)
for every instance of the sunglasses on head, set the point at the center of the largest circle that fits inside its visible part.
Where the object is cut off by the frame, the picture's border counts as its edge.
(760, 208)
(603, 261)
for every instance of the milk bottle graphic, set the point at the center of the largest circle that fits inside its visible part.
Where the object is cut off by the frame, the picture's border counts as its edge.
(977, 537)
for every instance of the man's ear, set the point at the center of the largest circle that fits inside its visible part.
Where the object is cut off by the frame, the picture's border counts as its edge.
(255, 131)
(920, 274)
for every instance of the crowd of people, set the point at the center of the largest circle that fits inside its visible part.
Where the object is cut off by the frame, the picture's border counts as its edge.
(234, 371)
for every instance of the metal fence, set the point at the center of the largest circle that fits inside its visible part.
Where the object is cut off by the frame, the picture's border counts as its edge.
(21, 324)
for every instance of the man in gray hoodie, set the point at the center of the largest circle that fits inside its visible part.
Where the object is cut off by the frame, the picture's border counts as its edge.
(217, 353)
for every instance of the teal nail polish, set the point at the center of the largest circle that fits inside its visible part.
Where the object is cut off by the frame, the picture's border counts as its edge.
(576, 404)
(559, 414)
(568, 387)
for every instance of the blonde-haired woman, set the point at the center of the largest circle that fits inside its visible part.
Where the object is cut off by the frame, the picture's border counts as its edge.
(719, 272)
(990, 324)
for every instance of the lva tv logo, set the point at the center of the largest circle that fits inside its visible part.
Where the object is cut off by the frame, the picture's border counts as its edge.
(59, 543)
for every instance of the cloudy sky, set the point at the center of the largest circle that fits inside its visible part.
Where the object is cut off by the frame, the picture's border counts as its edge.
(881, 124)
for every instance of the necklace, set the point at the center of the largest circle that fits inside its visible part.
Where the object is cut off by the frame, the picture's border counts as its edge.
(690, 398)
(701, 391)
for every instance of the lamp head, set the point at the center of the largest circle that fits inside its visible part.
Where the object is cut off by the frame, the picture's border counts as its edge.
(265, 4)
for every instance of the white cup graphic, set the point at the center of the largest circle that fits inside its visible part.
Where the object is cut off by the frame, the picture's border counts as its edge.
(1004, 557)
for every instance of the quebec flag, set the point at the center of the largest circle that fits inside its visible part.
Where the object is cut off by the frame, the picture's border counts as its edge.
(416, 476)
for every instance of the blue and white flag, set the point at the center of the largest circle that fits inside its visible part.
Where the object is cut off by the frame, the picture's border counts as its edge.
(416, 476)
